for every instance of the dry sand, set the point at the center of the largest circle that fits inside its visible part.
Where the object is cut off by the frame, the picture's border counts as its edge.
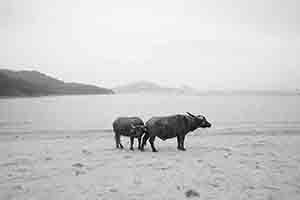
(89, 167)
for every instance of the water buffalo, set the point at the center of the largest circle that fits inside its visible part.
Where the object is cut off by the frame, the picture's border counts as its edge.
(132, 127)
(173, 126)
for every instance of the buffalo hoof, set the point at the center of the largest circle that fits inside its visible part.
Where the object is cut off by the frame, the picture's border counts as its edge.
(131, 149)
(181, 149)
(154, 150)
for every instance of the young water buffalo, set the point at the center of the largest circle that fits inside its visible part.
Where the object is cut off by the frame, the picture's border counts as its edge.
(173, 126)
(132, 127)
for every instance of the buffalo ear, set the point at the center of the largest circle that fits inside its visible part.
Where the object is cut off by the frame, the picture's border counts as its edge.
(191, 115)
(200, 117)
(145, 128)
(132, 126)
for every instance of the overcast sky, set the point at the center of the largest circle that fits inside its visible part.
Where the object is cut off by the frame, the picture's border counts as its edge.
(207, 44)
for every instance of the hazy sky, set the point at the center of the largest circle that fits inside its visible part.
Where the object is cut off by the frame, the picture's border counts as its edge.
(207, 44)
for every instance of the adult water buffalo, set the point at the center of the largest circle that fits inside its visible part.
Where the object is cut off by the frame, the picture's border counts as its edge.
(173, 126)
(132, 127)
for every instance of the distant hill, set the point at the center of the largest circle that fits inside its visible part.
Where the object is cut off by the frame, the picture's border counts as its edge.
(146, 87)
(34, 83)
(151, 88)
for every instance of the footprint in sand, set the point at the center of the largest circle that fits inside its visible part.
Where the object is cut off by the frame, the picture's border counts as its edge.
(191, 193)
(127, 157)
(217, 182)
(79, 170)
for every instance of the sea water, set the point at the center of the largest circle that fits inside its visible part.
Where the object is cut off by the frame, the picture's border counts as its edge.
(95, 113)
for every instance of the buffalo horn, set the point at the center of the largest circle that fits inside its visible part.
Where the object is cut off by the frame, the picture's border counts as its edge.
(191, 115)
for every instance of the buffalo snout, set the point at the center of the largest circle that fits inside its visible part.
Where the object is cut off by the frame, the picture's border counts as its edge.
(137, 131)
(206, 125)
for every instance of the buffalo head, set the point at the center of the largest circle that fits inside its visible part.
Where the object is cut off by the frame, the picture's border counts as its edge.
(137, 130)
(200, 120)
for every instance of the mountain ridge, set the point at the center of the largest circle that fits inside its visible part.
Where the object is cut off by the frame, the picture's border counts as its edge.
(152, 88)
(34, 83)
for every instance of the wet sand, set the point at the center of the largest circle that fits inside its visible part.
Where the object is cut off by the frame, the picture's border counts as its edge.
(87, 166)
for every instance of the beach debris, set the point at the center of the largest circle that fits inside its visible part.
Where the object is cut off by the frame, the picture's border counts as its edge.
(211, 166)
(268, 187)
(113, 190)
(165, 168)
(79, 172)
(127, 156)
(78, 165)
(257, 165)
(251, 187)
(18, 187)
(137, 182)
(86, 152)
(227, 154)
(48, 158)
(191, 193)
(214, 184)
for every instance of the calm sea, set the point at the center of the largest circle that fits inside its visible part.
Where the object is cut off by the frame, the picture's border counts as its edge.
(82, 114)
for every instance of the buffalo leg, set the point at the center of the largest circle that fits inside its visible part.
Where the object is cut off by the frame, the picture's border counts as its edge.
(180, 143)
(121, 146)
(131, 143)
(151, 140)
(139, 141)
(117, 140)
(145, 138)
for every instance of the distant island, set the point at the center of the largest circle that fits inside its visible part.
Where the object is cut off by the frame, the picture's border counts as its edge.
(34, 83)
(146, 87)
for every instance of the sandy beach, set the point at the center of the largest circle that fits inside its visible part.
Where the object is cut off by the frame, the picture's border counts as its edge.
(88, 166)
